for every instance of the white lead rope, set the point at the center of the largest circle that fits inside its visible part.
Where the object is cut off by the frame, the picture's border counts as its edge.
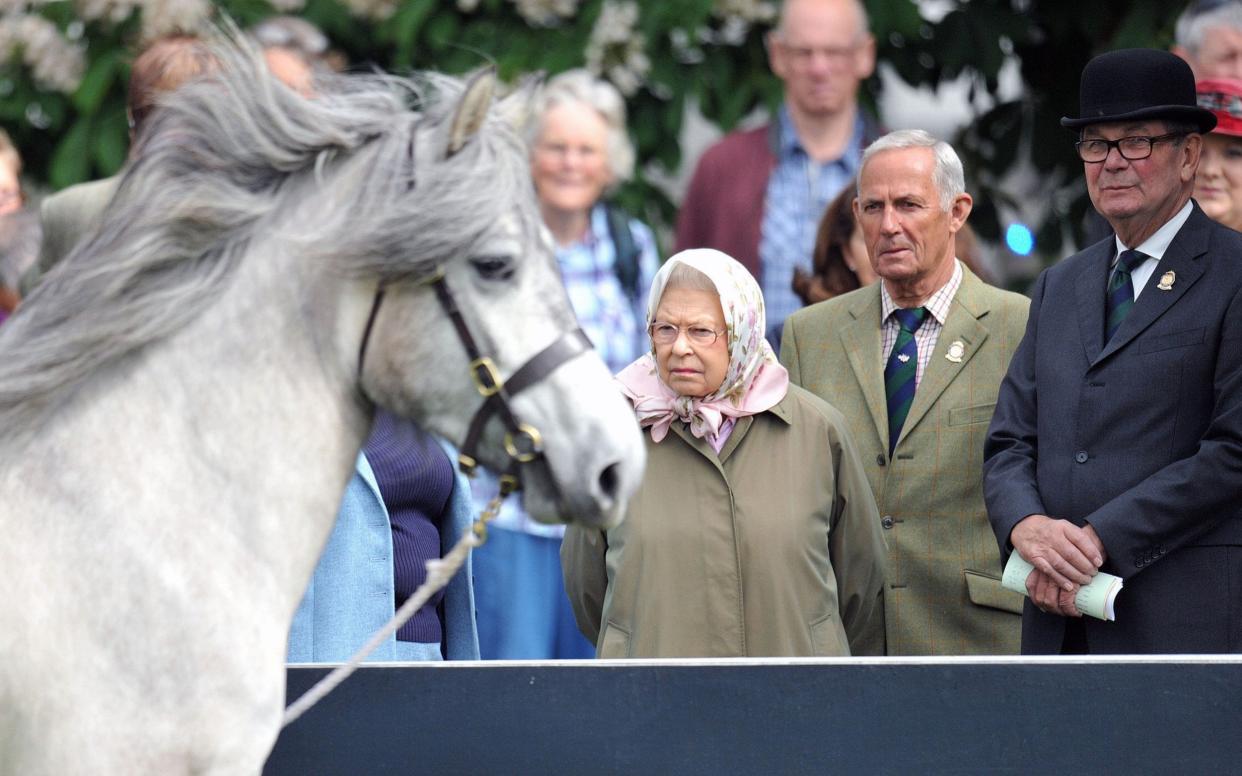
(439, 572)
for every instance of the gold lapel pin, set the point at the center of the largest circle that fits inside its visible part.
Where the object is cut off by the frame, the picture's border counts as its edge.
(1167, 280)
(957, 349)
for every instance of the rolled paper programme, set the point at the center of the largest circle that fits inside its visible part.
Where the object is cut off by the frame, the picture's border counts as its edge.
(1094, 599)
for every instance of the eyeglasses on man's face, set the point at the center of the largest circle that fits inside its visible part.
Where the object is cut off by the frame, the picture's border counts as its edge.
(666, 334)
(1133, 148)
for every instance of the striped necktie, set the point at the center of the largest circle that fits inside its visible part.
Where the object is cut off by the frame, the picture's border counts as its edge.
(901, 370)
(1120, 292)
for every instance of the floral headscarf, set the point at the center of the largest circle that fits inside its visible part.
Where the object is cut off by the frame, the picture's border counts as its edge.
(755, 380)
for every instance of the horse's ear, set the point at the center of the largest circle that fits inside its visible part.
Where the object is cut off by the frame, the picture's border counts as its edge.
(516, 108)
(472, 110)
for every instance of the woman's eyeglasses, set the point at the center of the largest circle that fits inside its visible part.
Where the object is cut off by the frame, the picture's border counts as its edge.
(666, 334)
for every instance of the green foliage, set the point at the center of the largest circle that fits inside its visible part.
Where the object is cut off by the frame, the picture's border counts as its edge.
(693, 61)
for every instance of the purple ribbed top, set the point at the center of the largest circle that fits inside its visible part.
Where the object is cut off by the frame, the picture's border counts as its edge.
(415, 478)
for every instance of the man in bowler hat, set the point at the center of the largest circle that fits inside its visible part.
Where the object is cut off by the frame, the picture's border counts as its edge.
(1117, 439)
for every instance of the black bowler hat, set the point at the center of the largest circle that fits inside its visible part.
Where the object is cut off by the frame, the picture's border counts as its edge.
(1138, 84)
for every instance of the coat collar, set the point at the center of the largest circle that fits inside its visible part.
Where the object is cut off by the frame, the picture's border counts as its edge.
(964, 334)
(1183, 258)
(741, 427)
(862, 340)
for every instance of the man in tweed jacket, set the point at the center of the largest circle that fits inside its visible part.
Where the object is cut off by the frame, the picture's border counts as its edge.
(943, 593)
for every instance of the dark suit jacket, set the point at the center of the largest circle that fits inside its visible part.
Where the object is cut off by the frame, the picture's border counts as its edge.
(1140, 437)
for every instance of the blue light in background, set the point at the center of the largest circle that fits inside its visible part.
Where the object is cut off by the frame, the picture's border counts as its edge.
(1019, 239)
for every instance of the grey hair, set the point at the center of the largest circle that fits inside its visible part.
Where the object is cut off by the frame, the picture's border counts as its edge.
(684, 276)
(864, 22)
(581, 87)
(227, 157)
(1192, 26)
(947, 173)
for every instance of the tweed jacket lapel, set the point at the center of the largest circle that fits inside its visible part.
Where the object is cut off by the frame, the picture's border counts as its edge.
(861, 339)
(1182, 259)
(962, 327)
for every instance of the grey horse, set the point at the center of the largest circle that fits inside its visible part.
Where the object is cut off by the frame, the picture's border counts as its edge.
(182, 400)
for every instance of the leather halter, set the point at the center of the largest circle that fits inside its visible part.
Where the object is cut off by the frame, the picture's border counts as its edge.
(523, 443)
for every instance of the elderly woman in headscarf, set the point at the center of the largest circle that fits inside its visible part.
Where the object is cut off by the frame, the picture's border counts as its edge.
(754, 532)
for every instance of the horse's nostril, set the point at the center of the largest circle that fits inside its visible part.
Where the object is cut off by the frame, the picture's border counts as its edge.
(609, 479)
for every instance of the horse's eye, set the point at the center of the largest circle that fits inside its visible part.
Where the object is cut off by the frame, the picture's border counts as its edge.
(493, 267)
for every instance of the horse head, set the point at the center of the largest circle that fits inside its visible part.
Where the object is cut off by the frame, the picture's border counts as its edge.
(480, 344)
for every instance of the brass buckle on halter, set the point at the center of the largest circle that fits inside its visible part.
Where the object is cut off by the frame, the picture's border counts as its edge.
(486, 379)
(530, 450)
(436, 276)
(509, 484)
(467, 464)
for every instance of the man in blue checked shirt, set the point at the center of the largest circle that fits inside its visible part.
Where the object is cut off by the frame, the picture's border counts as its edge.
(758, 195)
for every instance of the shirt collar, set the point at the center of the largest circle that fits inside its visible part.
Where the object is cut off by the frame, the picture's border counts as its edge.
(597, 225)
(1155, 246)
(938, 304)
(788, 144)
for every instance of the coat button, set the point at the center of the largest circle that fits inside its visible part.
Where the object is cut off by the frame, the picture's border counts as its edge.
(879, 459)
(1081, 456)
(887, 521)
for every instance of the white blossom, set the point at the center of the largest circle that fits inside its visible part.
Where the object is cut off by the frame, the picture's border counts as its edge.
(615, 51)
(751, 11)
(54, 62)
(467, 6)
(161, 17)
(114, 11)
(378, 10)
(738, 17)
(545, 13)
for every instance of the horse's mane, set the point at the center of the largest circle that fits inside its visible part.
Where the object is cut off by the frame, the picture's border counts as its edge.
(219, 158)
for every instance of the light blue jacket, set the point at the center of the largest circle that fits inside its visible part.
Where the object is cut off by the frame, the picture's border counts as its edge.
(352, 591)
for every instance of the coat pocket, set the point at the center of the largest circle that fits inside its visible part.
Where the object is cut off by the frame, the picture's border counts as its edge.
(615, 643)
(986, 590)
(828, 637)
(981, 413)
(1177, 339)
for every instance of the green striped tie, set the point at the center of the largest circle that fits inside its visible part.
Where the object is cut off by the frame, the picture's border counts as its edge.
(901, 370)
(1120, 297)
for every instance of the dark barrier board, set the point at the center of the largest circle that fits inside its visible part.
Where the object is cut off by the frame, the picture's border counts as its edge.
(772, 717)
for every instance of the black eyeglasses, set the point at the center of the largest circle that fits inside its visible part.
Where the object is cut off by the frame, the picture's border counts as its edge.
(1133, 148)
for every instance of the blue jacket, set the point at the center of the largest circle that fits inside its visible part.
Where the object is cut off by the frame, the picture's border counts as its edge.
(352, 591)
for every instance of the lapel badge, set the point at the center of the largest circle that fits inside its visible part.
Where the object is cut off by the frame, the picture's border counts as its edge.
(957, 349)
(1167, 280)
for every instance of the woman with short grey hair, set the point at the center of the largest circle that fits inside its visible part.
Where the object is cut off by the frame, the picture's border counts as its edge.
(579, 152)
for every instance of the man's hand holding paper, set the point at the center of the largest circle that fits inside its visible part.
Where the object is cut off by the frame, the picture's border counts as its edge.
(1094, 599)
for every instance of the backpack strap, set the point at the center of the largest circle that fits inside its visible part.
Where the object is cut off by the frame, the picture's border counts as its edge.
(626, 248)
